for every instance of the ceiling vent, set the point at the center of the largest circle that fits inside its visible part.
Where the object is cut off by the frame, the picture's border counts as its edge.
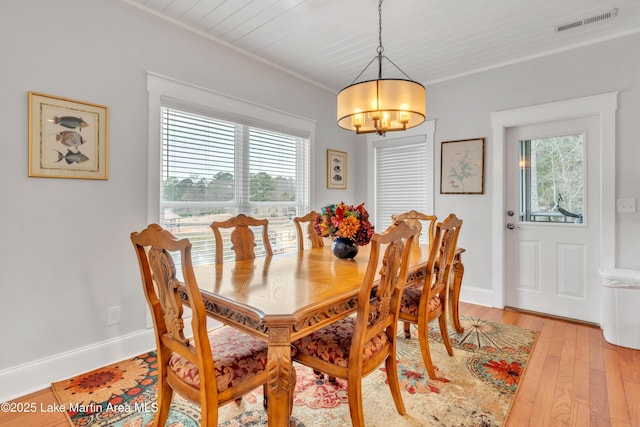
(593, 19)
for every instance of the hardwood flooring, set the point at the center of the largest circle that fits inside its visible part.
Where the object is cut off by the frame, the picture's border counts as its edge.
(574, 378)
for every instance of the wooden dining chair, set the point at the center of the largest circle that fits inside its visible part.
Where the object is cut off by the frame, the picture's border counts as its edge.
(355, 346)
(243, 240)
(421, 305)
(308, 219)
(415, 219)
(209, 369)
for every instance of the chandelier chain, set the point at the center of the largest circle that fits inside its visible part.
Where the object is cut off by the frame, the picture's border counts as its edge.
(380, 48)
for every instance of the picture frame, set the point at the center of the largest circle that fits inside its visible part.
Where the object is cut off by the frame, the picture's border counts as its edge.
(67, 138)
(462, 166)
(336, 169)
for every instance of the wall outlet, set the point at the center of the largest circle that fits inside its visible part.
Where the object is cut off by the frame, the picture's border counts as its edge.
(626, 205)
(113, 315)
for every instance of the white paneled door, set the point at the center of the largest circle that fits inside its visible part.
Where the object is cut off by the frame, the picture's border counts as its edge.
(553, 218)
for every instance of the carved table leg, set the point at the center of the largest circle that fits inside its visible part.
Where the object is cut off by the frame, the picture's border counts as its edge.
(281, 379)
(454, 295)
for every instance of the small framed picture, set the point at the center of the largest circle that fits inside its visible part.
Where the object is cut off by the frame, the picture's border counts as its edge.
(336, 169)
(462, 167)
(67, 138)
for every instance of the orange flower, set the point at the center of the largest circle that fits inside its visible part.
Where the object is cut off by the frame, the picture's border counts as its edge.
(349, 226)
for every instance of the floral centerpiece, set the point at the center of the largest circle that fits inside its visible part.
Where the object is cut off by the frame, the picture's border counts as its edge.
(348, 224)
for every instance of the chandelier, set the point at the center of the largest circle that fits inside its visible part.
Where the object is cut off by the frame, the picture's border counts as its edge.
(381, 105)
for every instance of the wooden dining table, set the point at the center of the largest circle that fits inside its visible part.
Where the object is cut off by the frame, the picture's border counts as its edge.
(284, 297)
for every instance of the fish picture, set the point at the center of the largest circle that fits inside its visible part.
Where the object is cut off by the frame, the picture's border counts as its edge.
(70, 138)
(336, 169)
(70, 122)
(67, 138)
(72, 157)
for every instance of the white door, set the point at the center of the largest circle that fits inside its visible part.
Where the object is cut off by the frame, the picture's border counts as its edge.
(553, 224)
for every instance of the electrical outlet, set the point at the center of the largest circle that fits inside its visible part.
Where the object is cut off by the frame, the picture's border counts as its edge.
(113, 315)
(626, 205)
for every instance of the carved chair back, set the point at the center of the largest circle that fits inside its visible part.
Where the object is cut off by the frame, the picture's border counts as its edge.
(309, 219)
(242, 237)
(441, 257)
(378, 308)
(414, 219)
(153, 247)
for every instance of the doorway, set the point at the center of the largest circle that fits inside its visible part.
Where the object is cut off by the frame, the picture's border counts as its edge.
(601, 109)
(553, 234)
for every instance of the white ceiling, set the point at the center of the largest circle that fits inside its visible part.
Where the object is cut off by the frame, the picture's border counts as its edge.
(329, 42)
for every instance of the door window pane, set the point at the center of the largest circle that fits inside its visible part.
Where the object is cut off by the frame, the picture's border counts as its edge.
(552, 179)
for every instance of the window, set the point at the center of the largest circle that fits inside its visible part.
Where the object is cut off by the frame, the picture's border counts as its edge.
(215, 166)
(552, 179)
(404, 177)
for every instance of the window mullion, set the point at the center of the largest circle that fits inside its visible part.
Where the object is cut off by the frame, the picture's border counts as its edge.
(242, 168)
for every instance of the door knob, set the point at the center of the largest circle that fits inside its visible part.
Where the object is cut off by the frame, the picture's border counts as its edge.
(510, 226)
(510, 213)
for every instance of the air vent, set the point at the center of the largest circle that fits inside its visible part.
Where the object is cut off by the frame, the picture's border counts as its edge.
(597, 18)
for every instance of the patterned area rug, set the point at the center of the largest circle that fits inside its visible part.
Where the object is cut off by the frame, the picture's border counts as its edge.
(475, 387)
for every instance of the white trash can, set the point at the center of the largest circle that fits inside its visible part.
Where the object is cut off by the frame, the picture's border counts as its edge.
(620, 307)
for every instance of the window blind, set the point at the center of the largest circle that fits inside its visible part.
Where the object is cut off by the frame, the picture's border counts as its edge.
(403, 178)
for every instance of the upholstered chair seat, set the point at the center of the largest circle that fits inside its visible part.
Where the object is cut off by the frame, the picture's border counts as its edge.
(410, 303)
(236, 357)
(333, 343)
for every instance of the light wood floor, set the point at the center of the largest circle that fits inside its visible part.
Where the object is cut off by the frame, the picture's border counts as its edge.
(574, 378)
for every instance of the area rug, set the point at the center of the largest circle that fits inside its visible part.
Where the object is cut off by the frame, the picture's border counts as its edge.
(475, 387)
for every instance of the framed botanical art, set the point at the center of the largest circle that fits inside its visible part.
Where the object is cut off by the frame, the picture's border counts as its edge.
(336, 169)
(462, 167)
(67, 138)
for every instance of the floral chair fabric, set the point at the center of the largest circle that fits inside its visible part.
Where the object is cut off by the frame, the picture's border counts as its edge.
(410, 303)
(333, 343)
(236, 356)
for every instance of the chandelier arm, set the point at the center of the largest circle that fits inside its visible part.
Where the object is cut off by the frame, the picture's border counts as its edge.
(398, 68)
(365, 69)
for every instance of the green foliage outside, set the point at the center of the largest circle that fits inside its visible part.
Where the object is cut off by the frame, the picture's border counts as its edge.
(557, 174)
(220, 188)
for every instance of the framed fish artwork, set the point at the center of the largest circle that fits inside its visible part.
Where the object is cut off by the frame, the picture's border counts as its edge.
(336, 169)
(67, 138)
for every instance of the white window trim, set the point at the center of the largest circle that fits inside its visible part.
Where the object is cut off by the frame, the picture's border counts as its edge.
(159, 86)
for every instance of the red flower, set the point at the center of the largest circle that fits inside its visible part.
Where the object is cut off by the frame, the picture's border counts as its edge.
(501, 370)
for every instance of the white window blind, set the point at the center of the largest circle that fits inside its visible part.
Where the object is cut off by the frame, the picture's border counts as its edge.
(214, 168)
(403, 177)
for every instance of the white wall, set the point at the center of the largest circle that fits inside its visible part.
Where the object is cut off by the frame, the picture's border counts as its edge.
(66, 255)
(462, 109)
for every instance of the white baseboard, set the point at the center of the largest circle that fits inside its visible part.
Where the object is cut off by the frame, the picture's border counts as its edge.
(477, 296)
(27, 378)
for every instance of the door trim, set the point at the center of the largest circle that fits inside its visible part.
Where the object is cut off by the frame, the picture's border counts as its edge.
(604, 107)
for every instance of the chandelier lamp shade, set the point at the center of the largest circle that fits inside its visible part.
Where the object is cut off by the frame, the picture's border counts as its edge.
(381, 105)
